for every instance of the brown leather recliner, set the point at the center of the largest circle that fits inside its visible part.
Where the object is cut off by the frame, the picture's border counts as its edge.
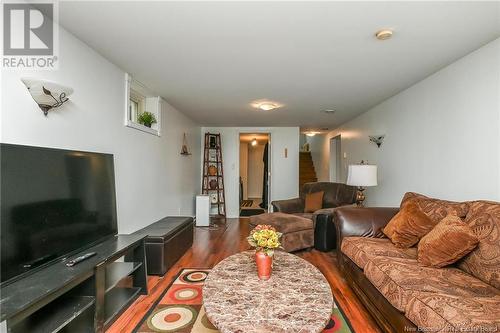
(335, 195)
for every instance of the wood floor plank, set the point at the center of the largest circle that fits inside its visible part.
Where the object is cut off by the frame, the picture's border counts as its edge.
(212, 246)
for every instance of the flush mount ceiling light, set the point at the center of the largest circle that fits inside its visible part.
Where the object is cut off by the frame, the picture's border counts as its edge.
(266, 105)
(47, 94)
(311, 133)
(383, 34)
(329, 111)
(254, 142)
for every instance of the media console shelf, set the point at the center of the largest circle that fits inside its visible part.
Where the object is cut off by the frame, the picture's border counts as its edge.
(87, 297)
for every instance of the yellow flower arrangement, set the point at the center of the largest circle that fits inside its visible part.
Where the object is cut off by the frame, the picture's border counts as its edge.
(265, 238)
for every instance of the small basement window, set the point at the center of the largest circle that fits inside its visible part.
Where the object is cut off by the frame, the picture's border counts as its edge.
(143, 111)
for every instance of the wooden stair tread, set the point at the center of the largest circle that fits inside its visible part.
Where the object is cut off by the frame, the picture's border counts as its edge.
(307, 172)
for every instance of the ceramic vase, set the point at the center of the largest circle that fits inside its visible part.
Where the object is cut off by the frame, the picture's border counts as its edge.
(264, 265)
(212, 170)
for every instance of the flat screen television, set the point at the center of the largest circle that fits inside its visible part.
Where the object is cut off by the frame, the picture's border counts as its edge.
(54, 203)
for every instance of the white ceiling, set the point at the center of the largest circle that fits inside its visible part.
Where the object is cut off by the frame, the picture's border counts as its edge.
(212, 59)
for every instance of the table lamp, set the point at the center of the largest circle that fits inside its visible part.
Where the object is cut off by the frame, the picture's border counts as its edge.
(361, 175)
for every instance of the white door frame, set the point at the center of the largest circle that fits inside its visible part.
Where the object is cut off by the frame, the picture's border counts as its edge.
(334, 163)
(269, 162)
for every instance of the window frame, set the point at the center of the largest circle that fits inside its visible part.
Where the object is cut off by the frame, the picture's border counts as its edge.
(138, 93)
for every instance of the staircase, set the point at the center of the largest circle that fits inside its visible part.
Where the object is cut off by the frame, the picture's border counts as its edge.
(307, 173)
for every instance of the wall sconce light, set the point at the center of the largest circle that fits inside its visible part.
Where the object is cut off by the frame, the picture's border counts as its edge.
(254, 142)
(47, 94)
(377, 139)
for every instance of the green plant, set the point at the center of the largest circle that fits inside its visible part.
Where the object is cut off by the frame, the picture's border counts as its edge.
(147, 119)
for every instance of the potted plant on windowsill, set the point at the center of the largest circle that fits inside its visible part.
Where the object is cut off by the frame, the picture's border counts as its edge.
(265, 239)
(147, 119)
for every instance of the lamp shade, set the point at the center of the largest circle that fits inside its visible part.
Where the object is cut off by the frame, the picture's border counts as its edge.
(362, 175)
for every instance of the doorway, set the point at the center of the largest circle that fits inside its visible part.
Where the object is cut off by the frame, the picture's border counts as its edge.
(335, 159)
(254, 173)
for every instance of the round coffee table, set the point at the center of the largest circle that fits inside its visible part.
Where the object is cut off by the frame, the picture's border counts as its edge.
(297, 297)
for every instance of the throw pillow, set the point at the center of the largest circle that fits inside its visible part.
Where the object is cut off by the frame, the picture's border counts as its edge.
(314, 202)
(450, 240)
(436, 209)
(409, 225)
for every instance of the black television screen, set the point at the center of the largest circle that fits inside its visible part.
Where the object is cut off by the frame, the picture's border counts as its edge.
(53, 202)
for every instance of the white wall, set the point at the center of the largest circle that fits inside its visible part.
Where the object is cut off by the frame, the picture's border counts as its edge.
(442, 135)
(152, 179)
(255, 170)
(284, 171)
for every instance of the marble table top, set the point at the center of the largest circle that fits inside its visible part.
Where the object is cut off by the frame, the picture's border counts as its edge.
(297, 297)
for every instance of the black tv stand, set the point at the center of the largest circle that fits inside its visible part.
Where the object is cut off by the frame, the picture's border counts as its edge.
(87, 297)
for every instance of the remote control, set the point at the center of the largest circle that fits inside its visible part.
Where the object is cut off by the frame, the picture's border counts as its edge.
(79, 259)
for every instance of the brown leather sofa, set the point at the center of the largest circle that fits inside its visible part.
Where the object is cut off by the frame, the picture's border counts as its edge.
(403, 296)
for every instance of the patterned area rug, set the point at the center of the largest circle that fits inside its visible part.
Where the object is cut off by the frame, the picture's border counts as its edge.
(179, 309)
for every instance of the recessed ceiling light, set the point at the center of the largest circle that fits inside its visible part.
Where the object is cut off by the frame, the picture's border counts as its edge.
(383, 34)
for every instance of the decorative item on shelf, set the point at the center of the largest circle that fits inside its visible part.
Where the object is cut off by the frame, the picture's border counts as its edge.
(212, 184)
(213, 198)
(47, 94)
(212, 170)
(213, 141)
(184, 149)
(212, 155)
(361, 175)
(147, 119)
(378, 140)
(265, 239)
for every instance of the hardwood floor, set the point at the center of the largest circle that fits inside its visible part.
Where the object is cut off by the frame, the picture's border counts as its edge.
(211, 246)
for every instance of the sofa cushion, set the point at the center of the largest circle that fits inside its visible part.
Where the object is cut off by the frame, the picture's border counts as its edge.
(436, 209)
(409, 225)
(362, 249)
(447, 313)
(484, 261)
(282, 222)
(313, 202)
(401, 279)
(304, 215)
(450, 240)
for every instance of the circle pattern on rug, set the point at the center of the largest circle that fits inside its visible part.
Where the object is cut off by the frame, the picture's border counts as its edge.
(194, 276)
(186, 294)
(334, 325)
(172, 318)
